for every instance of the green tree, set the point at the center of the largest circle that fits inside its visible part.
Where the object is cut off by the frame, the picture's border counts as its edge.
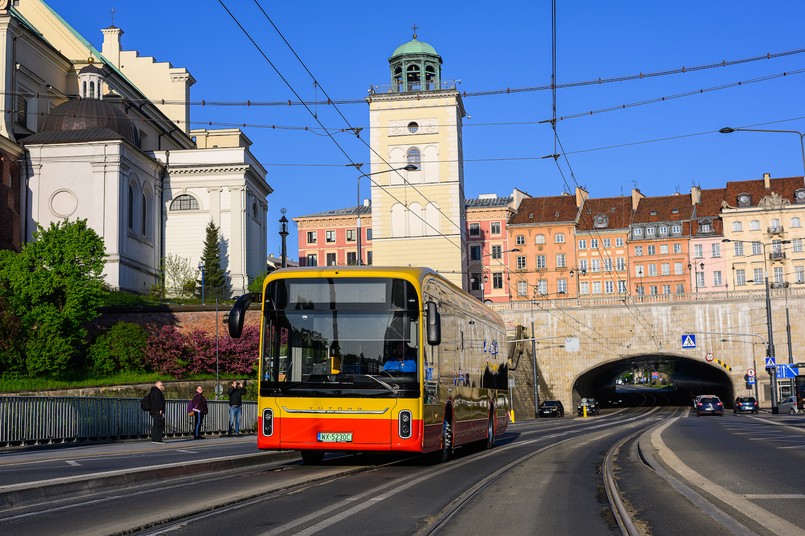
(256, 284)
(54, 286)
(215, 278)
(121, 348)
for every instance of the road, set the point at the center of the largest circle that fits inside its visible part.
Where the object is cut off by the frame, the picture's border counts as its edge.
(652, 471)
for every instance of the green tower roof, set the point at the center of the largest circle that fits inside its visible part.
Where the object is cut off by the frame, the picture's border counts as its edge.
(414, 47)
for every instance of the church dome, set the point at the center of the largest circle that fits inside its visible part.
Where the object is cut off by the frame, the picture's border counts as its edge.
(91, 116)
(414, 47)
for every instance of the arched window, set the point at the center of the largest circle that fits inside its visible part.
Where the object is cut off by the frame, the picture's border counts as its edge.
(184, 202)
(143, 222)
(414, 157)
(131, 207)
(736, 226)
(254, 211)
(92, 90)
(539, 239)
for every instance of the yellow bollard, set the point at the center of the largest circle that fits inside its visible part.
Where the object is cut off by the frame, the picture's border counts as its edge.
(511, 415)
(584, 410)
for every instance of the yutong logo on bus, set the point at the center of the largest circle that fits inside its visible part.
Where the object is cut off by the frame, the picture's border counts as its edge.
(331, 408)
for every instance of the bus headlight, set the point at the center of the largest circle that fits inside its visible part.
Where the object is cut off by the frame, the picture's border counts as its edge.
(404, 424)
(268, 422)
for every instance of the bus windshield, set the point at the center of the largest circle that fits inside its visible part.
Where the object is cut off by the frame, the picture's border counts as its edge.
(341, 337)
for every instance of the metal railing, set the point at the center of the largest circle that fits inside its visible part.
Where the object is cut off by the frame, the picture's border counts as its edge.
(33, 420)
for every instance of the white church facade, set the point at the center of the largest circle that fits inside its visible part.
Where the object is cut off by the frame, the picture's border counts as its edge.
(96, 140)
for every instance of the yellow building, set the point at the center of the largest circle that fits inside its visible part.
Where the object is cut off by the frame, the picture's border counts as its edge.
(418, 216)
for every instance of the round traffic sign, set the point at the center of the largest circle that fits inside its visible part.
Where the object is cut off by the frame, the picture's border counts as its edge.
(750, 372)
(709, 356)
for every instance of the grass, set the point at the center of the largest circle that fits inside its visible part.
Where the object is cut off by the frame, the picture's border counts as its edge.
(10, 384)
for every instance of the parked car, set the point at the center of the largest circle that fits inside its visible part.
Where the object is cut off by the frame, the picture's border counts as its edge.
(788, 405)
(590, 403)
(551, 408)
(709, 405)
(745, 403)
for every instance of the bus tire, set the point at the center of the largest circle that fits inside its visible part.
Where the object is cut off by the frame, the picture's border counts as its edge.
(312, 457)
(447, 440)
(490, 431)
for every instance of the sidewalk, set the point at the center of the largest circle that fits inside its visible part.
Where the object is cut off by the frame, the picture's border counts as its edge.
(38, 474)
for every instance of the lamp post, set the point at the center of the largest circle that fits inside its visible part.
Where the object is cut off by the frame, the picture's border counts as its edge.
(201, 268)
(729, 130)
(770, 345)
(283, 236)
(696, 274)
(409, 167)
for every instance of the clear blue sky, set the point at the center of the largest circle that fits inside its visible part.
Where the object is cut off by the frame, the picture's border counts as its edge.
(661, 147)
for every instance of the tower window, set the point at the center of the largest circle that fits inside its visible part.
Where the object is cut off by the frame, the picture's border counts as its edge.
(414, 156)
(413, 127)
(184, 202)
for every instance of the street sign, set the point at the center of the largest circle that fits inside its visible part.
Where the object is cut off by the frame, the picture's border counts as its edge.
(688, 341)
(770, 362)
(787, 371)
(750, 372)
(751, 380)
(709, 357)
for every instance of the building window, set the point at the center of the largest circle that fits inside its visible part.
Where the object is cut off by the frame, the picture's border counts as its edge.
(676, 229)
(663, 230)
(757, 276)
(698, 251)
(414, 157)
(330, 259)
(131, 207)
(542, 287)
(680, 288)
(352, 258)
(475, 229)
(739, 248)
(740, 277)
(678, 269)
(737, 227)
(754, 225)
(652, 290)
(666, 289)
(717, 278)
(522, 288)
(619, 242)
(638, 251)
(144, 215)
(593, 243)
(756, 248)
(621, 286)
(677, 248)
(368, 234)
(351, 235)
(329, 236)
(561, 286)
(311, 237)
(369, 258)
(559, 238)
(541, 262)
(595, 265)
(497, 280)
(584, 287)
(475, 253)
(582, 244)
(607, 242)
(560, 260)
(539, 239)
(715, 250)
(795, 222)
(497, 252)
(652, 269)
(620, 264)
(699, 279)
(637, 231)
(184, 202)
(665, 268)
(413, 127)
(494, 228)
(705, 227)
(663, 249)
(651, 250)
(596, 287)
(799, 274)
(311, 260)
(519, 240)
(521, 264)
(583, 266)
(796, 245)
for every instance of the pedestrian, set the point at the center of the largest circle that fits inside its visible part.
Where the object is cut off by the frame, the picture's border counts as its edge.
(199, 408)
(235, 392)
(157, 411)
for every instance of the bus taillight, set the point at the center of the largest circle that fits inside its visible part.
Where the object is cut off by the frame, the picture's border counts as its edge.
(404, 424)
(268, 422)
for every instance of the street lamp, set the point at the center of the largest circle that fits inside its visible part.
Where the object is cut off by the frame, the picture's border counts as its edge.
(283, 236)
(201, 268)
(409, 167)
(728, 130)
(696, 274)
(770, 346)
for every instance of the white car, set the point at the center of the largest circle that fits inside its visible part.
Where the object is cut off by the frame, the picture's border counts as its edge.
(788, 405)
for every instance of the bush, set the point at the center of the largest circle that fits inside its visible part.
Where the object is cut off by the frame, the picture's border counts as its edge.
(121, 348)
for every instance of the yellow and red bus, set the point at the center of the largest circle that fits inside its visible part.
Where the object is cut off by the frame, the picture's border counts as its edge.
(365, 358)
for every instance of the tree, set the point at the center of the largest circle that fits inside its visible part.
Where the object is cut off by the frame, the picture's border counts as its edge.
(54, 286)
(121, 348)
(214, 278)
(177, 271)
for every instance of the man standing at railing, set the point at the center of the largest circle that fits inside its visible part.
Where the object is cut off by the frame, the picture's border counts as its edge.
(157, 399)
(199, 407)
(235, 392)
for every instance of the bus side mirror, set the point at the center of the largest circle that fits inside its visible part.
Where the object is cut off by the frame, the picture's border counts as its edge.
(236, 315)
(434, 324)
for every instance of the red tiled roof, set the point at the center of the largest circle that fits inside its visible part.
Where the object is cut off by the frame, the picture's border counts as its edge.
(710, 205)
(541, 210)
(664, 208)
(618, 211)
(784, 187)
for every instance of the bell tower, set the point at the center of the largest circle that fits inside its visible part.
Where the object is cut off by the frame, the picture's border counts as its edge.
(418, 217)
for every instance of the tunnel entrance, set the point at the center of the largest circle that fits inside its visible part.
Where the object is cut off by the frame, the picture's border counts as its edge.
(684, 378)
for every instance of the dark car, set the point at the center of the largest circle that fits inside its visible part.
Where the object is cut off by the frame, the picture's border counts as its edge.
(551, 408)
(745, 403)
(709, 405)
(590, 403)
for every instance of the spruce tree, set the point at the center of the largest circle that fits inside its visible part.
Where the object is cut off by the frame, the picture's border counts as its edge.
(215, 277)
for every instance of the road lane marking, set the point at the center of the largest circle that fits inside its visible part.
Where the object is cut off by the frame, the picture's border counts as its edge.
(73, 463)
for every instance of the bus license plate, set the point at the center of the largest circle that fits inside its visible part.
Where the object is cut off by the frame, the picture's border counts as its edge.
(334, 437)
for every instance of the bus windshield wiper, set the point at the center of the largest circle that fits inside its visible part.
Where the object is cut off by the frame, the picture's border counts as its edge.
(392, 390)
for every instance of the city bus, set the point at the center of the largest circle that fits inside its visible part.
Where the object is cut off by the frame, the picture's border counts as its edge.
(365, 358)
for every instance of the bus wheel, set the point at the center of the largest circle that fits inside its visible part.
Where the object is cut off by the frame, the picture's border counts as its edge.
(312, 457)
(490, 432)
(447, 440)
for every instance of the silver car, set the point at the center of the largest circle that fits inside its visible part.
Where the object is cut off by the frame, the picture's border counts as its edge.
(788, 405)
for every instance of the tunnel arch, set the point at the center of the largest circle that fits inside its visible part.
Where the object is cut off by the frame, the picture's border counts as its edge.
(689, 377)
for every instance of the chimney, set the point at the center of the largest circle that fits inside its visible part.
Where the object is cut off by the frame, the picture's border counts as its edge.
(111, 44)
(767, 181)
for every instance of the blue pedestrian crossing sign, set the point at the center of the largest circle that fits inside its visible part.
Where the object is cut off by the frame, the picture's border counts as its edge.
(688, 341)
(770, 362)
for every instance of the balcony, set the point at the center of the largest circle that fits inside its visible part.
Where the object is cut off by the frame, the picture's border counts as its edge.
(775, 230)
(777, 255)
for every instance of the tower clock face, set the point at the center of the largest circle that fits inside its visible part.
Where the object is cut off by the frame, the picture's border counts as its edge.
(743, 198)
(801, 194)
